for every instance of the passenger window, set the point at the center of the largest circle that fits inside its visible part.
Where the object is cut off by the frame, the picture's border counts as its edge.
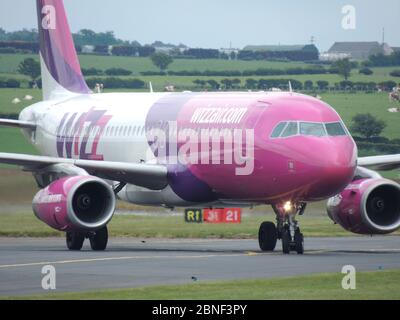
(335, 129)
(291, 130)
(312, 129)
(278, 130)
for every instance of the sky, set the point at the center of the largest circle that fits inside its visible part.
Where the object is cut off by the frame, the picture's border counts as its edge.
(217, 23)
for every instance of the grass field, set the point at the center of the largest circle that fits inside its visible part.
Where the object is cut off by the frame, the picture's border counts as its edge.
(377, 285)
(9, 64)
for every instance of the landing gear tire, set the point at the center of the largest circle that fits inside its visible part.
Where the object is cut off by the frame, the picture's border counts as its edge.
(99, 240)
(299, 242)
(74, 241)
(286, 241)
(267, 236)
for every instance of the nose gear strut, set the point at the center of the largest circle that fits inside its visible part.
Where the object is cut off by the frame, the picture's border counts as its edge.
(287, 230)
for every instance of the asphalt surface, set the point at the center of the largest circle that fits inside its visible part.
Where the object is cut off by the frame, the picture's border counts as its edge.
(133, 262)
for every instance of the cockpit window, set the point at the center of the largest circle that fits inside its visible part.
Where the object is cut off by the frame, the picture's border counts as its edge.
(291, 130)
(312, 129)
(278, 130)
(335, 129)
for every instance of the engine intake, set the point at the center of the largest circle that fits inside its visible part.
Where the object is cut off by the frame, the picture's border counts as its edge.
(79, 203)
(367, 206)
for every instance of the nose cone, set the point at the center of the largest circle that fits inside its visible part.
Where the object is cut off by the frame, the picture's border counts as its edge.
(336, 162)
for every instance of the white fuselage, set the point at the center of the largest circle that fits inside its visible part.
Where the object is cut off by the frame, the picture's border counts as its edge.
(122, 139)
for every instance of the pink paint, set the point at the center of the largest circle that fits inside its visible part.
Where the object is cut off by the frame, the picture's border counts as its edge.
(51, 206)
(285, 169)
(350, 209)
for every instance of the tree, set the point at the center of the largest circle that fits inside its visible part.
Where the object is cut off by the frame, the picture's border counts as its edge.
(366, 71)
(367, 125)
(343, 67)
(161, 60)
(30, 67)
(214, 84)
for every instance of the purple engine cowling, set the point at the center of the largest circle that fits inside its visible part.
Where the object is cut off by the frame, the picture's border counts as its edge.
(367, 206)
(78, 203)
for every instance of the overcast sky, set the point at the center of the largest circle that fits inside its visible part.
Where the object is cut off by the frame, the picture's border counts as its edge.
(216, 23)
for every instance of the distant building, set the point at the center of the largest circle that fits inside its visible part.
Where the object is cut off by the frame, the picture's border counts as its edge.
(88, 49)
(301, 47)
(326, 56)
(396, 49)
(357, 50)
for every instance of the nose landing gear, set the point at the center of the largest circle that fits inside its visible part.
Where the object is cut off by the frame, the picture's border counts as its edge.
(287, 230)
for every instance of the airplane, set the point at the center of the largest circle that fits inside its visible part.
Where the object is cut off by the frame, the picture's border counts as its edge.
(190, 150)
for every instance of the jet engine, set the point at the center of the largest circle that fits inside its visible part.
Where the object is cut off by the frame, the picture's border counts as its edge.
(78, 203)
(367, 206)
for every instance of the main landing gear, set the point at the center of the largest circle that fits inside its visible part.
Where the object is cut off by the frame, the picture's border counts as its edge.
(98, 239)
(287, 229)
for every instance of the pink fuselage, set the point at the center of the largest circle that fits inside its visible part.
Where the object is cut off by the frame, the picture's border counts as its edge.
(298, 168)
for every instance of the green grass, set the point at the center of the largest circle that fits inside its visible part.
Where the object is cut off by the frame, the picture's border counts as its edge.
(378, 285)
(9, 63)
(25, 224)
(8, 95)
(12, 140)
(348, 105)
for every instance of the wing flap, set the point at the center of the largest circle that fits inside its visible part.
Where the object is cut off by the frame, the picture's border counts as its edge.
(153, 177)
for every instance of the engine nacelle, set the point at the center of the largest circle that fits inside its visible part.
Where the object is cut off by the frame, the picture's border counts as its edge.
(78, 203)
(367, 206)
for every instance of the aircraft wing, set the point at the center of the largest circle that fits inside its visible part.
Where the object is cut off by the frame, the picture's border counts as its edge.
(145, 175)
(384, 163)
(17, 124)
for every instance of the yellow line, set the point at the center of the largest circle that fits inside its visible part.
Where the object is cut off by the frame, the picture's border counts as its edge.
(116, 259)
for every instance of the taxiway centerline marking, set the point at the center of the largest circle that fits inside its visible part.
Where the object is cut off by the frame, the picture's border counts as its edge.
(33, 264)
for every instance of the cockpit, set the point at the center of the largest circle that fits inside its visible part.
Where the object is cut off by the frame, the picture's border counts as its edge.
(288, 129)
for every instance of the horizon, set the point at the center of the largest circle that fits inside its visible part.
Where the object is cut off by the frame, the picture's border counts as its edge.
(237, 27)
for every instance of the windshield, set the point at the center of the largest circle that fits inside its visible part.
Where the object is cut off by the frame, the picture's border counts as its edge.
(312, 129)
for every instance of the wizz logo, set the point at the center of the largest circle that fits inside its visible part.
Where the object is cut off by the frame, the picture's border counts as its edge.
(49, 21)
(79, 132)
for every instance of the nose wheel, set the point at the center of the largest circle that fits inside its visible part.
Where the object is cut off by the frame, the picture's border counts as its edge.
(287, 230)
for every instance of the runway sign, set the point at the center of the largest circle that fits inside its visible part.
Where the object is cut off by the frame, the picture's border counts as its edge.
(227, 215)
(193, 216)
(215, 216)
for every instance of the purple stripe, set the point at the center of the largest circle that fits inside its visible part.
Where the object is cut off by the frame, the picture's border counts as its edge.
(55, 62)
(182, 181)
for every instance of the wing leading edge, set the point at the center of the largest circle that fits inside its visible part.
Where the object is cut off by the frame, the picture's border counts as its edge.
(145, 175)
(385, 163)
(17, 124)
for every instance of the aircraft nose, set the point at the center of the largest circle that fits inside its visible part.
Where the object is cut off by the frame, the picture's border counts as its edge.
(338, 163)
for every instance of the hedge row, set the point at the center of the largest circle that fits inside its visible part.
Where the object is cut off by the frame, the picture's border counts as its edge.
(245, 73)
(380, 147)
(323, 85)
(10, 83)
(116, 83)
